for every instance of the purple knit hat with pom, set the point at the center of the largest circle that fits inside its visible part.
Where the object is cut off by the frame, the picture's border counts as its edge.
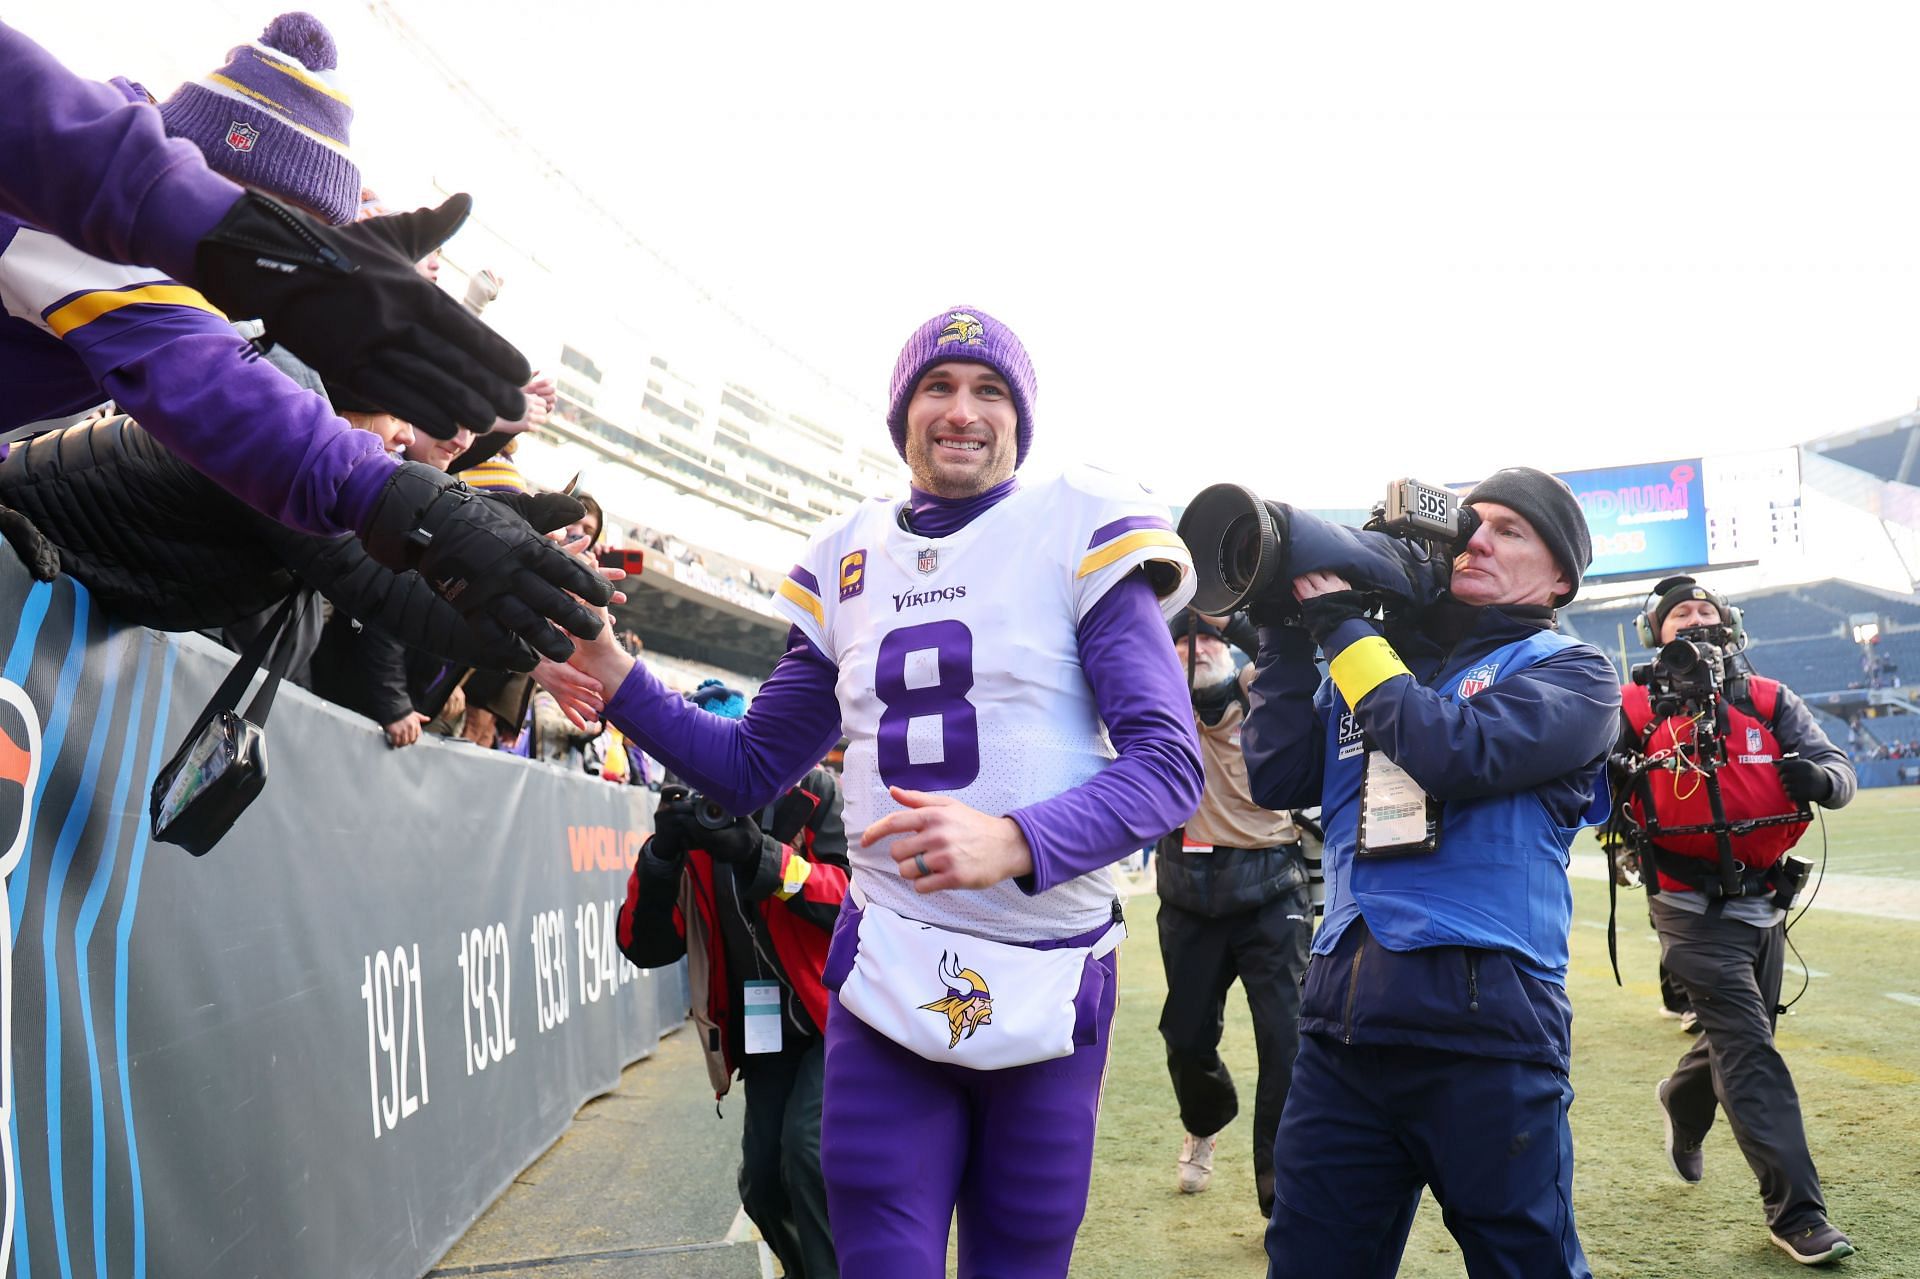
(964, 333)
(273, 118)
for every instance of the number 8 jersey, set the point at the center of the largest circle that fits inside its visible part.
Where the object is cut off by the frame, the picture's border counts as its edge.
(960, 669)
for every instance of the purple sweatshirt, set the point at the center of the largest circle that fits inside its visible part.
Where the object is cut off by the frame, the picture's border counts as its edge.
(1151, 787)
(80, 160)
(98, 172)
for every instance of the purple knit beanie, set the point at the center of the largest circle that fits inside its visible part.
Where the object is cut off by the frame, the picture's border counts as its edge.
(964, 333)
(273, 118)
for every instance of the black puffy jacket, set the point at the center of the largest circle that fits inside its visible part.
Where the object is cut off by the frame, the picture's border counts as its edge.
(161, 545)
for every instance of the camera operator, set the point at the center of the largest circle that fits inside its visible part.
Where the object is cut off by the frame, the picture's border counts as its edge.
(1234, 905)
(1727, 950)
(1455, 751)
(752, 906)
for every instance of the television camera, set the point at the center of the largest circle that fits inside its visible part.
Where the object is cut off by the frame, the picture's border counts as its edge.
(1247, 550)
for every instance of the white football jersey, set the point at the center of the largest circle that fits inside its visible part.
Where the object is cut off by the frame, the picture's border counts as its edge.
(960, 670)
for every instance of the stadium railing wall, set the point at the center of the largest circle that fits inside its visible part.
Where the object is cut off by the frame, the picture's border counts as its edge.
(323, 1048)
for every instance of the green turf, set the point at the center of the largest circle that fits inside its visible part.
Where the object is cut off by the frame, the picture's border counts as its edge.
(1854, 1052)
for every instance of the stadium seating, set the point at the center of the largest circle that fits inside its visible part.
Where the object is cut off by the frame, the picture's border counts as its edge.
(1799, 635)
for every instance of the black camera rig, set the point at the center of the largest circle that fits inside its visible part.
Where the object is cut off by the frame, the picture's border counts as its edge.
(1688, 678)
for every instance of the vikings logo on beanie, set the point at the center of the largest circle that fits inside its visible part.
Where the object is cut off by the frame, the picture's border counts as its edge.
(274, 118)
(964, 333)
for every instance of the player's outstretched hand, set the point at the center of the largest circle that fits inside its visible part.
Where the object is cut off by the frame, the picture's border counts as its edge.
(942, 843)
(577, 694)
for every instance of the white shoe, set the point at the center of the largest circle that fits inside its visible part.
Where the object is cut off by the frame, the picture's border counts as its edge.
(1196, 1164)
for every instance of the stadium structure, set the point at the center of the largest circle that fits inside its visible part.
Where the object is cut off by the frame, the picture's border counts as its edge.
(717, 484)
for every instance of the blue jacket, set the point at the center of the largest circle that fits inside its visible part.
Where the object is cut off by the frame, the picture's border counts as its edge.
(1515, 762)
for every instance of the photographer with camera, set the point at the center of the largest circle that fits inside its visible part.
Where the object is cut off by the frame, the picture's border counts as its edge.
(1455, 750)
(1234, 906)
(1716, 767)
(752, 904)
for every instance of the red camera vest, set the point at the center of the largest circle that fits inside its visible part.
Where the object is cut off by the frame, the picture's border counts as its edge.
(1749, 785)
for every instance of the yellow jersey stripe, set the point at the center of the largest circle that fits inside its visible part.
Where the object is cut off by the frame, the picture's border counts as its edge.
(1363, 666)
(1120, 548)
(89, 307)
(793, 875)
(806, 599)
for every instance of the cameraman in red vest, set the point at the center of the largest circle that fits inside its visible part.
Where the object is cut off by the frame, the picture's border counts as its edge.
(1718, 897)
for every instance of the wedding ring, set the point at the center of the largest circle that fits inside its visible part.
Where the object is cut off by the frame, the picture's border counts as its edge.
(920, 864)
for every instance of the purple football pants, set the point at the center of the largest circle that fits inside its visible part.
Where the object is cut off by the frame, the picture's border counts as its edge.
(905, 1141)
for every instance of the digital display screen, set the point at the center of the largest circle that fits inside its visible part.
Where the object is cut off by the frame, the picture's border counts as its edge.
(1653, 518)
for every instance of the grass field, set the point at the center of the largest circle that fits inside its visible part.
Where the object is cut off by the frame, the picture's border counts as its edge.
(1853, 1044)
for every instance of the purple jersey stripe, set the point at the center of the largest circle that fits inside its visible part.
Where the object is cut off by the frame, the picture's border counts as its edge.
(805, 578)
(1107, 532)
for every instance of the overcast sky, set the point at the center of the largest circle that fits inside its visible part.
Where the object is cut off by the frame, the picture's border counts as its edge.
(1305, 247)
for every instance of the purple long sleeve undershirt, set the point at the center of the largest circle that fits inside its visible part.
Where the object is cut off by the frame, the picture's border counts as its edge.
(1151, 787)
(79, 160)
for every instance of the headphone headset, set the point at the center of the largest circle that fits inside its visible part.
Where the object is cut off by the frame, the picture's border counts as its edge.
(1730, 617)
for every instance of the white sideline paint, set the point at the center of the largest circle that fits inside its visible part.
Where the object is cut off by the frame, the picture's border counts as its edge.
(1902, 997)
(744, 1231)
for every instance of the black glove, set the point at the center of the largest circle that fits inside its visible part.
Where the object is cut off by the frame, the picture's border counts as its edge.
(348, 301)
(667, 844)
(735, 845)
(1806, 781)
(1241, 632)
(544, 511)
(1323, 614)
(40, 556)
(504, 578)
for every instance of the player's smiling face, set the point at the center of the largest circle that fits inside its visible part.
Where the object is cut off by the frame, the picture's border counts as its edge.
(961, 429)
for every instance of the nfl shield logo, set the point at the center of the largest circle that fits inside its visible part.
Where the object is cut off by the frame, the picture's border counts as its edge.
(929, 559)
(1753, 741)
(1477, 679)
(241, 137)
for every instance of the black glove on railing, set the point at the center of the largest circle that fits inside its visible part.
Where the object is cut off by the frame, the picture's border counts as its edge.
(1806, 781)
(348, 301)
(484, 560)
(40, 556)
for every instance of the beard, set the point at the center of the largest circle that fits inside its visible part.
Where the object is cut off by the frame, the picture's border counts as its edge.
(1212, 669)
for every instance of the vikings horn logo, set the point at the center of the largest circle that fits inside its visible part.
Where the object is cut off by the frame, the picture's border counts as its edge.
(968, 1003)
(964, 329)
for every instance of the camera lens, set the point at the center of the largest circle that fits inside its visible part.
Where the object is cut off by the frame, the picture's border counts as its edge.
(1240, 554)
(710, 815)
(1680, 657)
(1237, 550)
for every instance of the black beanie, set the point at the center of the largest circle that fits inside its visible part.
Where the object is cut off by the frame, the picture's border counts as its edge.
(1552, 509)
(1675, 591)
(1187, 620)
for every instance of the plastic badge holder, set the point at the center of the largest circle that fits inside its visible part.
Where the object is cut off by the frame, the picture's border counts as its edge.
(222, 765)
